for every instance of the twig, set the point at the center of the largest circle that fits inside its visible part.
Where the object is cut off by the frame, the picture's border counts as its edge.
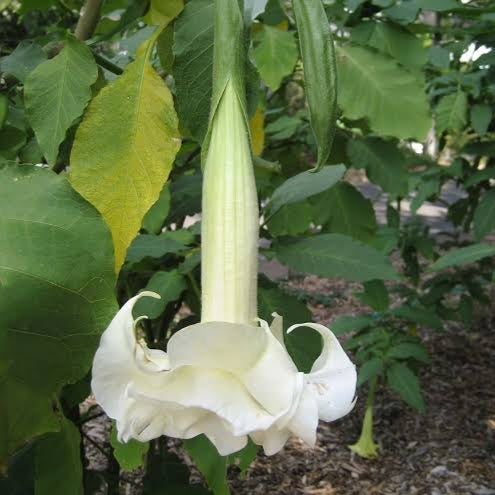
(90, 15)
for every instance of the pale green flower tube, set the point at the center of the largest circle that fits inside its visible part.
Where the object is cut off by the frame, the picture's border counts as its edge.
(230, 219)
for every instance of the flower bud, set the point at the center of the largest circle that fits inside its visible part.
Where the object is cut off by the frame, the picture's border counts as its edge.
(230, 219)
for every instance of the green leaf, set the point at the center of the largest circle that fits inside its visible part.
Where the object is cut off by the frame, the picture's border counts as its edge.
(156, 246)
(320, 72)
(403, 12)
(124, 149)
(462, 256)
(481, 116)
(480, 176)
(56, 94)
(419, 315)
(245, 457)
(169, 285)
(451, 112)
(343, 209)
(385, 165)
(193, 65)
(167, 474)
(345, 323)
(304, 185)
(386, 92)
(484, 215)
(440, 57)
(438, 5)
(375, 295)
(210, 463)
(426, 189)
(129, 455)
(275, 55)
(369, 370)
(155, 218)
(56, 292)
(303, 345)
(401, 379)
(23, 60)
(162, 13)
(29, 5)
(392, 40)
(59, 463)
(291, 219)
(335, 255)
(407, 350)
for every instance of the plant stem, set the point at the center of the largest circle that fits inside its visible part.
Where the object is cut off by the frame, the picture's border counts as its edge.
(90, 15)
(107, 64)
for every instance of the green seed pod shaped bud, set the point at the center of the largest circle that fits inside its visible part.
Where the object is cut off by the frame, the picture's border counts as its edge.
(230, 219)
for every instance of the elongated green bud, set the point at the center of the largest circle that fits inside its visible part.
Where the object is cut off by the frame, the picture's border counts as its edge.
(230, 219)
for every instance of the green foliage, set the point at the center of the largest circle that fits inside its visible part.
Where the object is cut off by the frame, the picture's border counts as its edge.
(55, 453)
(46, 226)
(334, 255)
(212, 465)
(129, 455)
(387, 92)
(104, 111)
(193, 67)
(274, 54)
(304, 185)
(56, 93)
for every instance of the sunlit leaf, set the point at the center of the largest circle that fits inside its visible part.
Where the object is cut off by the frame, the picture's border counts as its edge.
(124, 149)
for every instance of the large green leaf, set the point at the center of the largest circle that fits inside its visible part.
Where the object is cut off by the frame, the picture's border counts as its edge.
(56, 94)
(193, 65)
(56, 295)
(384, 163)
(401, 379)
(59, 463)
(392, 40)
(320, 72)
(451, 112)
(124, 149)
(374, 86)
(484, 215)
(461, 256)
(335, 255)
(275, 55)
(304, 185)
(343, 209)
(304, 345)
(23, 60)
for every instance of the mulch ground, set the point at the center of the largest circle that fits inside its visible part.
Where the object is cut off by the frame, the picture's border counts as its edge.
(448, 450)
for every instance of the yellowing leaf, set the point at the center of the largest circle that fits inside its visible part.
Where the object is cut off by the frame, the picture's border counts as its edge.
(256, 125)
(124, 149)
(162, 13)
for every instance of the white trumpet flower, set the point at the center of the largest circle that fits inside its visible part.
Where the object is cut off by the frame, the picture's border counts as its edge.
(230, 376)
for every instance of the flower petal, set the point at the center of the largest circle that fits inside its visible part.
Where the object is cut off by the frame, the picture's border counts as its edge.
(332, 380)
(114, 364)
(213, 390)
(272, 439)
(253, 355)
